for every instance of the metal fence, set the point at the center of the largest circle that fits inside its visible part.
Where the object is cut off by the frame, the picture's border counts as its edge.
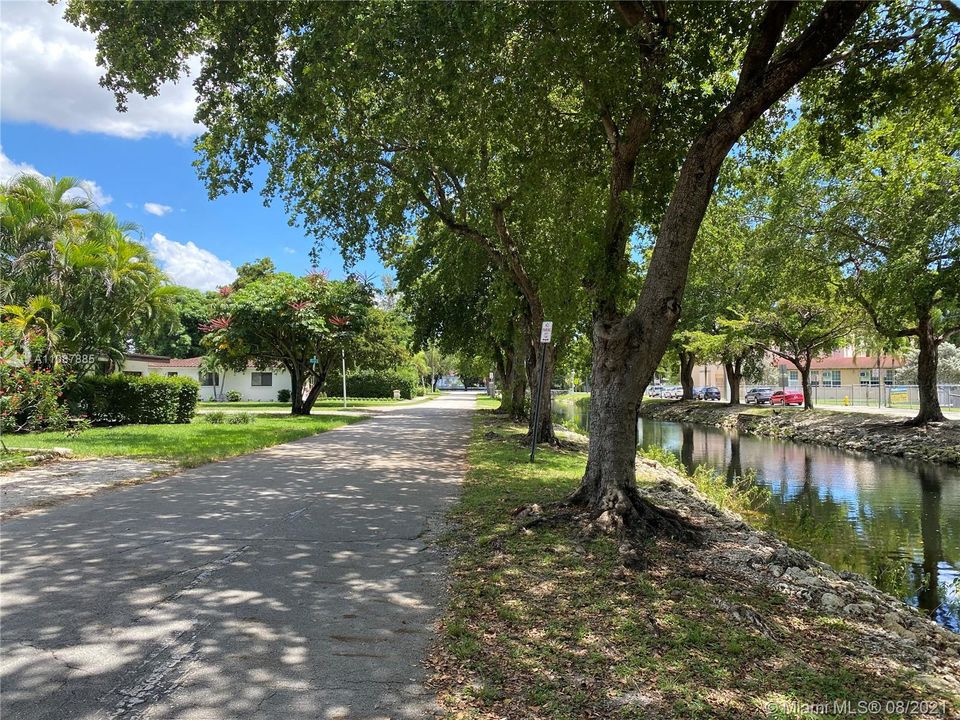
(905, 396)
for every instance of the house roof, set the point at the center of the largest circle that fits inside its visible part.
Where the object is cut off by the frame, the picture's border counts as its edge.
(838, 361)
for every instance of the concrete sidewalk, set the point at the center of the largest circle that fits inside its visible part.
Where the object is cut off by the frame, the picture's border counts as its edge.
(295, 582)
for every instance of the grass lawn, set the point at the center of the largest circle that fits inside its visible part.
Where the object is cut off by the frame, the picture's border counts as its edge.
(336, 403)
(547, 623)
(14, 460)
(191, 444)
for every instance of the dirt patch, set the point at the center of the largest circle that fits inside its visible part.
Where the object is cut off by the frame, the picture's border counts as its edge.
(54, 482)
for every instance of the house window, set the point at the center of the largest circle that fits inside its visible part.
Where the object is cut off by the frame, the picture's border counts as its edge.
(794, 378)
(888, 377)
(171, 374)
(261, 379)
(210, 379)
(831, 378)
(865, 378)
(814, 378)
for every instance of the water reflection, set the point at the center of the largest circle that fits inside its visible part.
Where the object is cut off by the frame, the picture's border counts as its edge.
(895, 522)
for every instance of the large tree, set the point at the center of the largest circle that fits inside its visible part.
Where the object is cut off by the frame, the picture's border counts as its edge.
(300, 324)
(894, 224)
(501, 121)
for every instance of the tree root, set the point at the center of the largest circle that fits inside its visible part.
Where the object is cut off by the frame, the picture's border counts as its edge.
(634, 524)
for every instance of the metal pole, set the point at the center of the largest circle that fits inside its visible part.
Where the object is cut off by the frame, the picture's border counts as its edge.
(343, 365)
(536, 409)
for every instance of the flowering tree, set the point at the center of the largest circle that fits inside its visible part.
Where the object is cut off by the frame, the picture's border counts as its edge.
(280, 320)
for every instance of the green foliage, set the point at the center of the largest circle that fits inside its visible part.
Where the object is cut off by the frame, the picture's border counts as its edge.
(74, 277)
(122, 399)
(283, 395)
(241, 418)
(948, 367)
(234, 396)
(374, 384)
(217, 417)
(32, 399)
(300, 323)
(180, 336)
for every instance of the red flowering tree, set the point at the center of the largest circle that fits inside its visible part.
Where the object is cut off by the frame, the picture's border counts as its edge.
(299, 324)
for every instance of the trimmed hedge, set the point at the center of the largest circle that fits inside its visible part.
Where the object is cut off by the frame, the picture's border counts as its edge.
(373, 384)
(132, 400)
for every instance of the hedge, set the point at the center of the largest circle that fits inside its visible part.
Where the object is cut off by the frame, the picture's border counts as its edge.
(132, 400)
(373, 384)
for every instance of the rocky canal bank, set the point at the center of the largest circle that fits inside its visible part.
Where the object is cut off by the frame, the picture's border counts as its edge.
(891, 635)
(937, 442)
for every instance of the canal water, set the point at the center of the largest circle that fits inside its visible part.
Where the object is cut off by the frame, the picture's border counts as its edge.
(895, 522)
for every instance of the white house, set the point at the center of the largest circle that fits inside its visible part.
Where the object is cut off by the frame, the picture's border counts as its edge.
(252, 384)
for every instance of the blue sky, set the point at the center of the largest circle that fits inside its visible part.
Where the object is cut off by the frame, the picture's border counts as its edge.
(56, 120)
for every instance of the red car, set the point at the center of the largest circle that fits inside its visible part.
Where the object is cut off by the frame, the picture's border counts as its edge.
(789, 396)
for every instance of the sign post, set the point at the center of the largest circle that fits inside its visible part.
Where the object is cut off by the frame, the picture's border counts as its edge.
(546, 333)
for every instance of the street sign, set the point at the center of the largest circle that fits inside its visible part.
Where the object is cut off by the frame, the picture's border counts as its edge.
(546, 331)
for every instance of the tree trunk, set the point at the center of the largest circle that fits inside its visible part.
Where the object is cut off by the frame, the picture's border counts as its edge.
(547, 355)
(296, 392)
(687, 361)
(734, 371)
(608, 487)
(513, 384)
(804, 369)
(927, 375)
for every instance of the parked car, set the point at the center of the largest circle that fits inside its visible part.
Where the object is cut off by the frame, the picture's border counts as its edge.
(673, 391)
(788, 396)
(758, 395)
(707, 393)
(655, 391)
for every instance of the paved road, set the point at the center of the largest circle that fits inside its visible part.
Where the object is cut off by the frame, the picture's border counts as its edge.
(296, 582)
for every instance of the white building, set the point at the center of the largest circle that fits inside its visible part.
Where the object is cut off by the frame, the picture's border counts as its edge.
(252, 384)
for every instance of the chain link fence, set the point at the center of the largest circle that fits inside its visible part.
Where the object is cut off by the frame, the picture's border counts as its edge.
(896, 396)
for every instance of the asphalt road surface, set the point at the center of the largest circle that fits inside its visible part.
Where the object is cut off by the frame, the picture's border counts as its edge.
(296, 582)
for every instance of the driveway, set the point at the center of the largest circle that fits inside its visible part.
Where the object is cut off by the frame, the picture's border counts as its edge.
(300, 581)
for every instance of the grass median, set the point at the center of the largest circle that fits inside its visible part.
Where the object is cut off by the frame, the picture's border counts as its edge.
(189, 444)
(546, 622)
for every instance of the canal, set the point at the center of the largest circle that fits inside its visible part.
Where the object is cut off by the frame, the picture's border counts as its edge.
(895, 522)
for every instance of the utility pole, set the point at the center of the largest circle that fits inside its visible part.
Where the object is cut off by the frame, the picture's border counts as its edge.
(343, 374)
(546, 332)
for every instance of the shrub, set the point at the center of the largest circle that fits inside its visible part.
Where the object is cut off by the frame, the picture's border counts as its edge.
(374, 384)
(215, 418)
(283, 395)
(242, 418)
(150, 400)
(188, 395)
(234, 396)
(32, 399)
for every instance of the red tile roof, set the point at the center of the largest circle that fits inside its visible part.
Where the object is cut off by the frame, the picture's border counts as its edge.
(842, 362)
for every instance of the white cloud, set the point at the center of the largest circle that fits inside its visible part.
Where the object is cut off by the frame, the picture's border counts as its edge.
(289, 250)
(49, 75)
(10, 169)
(187, 264)
(157, 209)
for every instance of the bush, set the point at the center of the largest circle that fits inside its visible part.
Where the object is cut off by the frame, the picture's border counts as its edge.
(32, 399)
(242, 418)
(234, 396)
(374, 384)
(283, 395)
(215, 418)
(188, 395)
(124, 399)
